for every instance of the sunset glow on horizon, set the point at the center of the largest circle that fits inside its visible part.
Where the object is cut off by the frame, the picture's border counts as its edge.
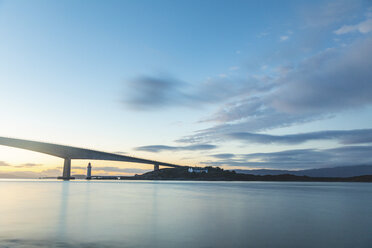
(240, 85)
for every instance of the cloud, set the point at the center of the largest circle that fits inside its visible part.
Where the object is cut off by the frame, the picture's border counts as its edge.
(326, 14)
(117, 169)
(28, 165)
(154, 93)
(160, 148)
(223, 155)
(19, 174)
(121, 153)
(234, 68)
(333, 80)
(301, 158)
(318, 87)
(358, 136)
(2, 163)
(51, 172)
(362, 27)
(284, 38)
(283, 70)
(262, 34)
(263, 119)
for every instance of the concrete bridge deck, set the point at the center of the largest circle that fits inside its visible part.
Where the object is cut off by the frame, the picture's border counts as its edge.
(69, 152)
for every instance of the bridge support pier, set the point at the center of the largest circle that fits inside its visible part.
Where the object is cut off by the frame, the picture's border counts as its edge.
(156, 167)
(66, 170)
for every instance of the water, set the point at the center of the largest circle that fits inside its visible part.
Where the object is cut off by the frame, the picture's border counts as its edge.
(47, 213)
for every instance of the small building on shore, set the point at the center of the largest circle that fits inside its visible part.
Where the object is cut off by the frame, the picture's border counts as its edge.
(197, 170)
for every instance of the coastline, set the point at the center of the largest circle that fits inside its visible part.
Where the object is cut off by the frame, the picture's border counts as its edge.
(218, 174)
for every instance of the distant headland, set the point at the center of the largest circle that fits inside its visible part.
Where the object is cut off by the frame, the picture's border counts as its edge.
(218, 174)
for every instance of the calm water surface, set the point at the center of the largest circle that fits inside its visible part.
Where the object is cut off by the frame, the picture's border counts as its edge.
(47, 213)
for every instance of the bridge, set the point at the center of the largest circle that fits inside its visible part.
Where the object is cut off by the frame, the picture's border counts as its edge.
(69, 152)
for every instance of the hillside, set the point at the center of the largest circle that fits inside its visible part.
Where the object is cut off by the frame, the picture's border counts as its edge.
(341, 171)
(218, 174)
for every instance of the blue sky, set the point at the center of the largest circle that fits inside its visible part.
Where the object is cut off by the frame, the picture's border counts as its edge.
(189, 82)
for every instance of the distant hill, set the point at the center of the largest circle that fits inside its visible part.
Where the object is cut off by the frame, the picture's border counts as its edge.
(341, 171)
(26, 174)
(218, 174)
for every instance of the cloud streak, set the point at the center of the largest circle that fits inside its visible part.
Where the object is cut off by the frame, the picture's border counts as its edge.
(223, 155)
(284, 37)
(362, 27)
(154, 93)
(117, 169)
(325, 84)
(28, 165)
(346, 137)
(2, 163)
(149, 93)
(301, 158)
(328, 13)
(160, 148)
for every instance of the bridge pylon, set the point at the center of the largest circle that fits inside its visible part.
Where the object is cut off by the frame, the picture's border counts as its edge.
(66, 175)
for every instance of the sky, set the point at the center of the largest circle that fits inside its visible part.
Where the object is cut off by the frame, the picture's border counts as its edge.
(235, 84)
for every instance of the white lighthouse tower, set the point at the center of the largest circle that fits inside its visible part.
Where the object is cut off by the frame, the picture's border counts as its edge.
(89, 171)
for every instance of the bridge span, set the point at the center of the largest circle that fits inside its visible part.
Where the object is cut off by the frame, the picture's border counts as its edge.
(70, 152)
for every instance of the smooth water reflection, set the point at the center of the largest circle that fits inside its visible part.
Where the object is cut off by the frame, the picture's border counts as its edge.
(46, 213)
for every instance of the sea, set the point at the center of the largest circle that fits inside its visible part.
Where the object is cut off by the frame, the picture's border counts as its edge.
(51, 213)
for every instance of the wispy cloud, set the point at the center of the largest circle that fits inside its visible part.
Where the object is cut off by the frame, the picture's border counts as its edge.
(327, 13)
(223, 155)
(263, 34)
(2, 163)
(301, 158)
(160, 148)
(234, 68)
(148, 93)
(362, 27)
(18, 173)
(117, 169)
(320, 86)
(28, 165)
(121, 153)
(51, 172)
(154, 93)
(358, 136)
(284, 37)
(333, 80)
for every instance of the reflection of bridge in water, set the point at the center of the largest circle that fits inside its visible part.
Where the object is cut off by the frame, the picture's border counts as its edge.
(69, 152)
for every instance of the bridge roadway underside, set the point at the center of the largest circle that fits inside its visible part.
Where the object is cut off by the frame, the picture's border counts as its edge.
(68, 153)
